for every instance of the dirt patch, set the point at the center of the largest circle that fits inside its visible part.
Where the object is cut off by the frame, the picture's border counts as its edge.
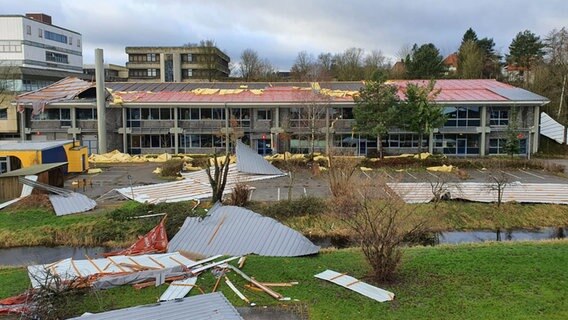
(34, 201)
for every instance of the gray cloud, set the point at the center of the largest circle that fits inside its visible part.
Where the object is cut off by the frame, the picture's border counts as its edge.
(278, 30)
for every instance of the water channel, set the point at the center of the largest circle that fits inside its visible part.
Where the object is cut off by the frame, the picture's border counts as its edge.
(24, 256)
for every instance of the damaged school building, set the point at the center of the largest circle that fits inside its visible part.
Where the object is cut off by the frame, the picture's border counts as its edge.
(151, 118)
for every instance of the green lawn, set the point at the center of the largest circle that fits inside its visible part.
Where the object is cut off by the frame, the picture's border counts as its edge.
(525, 280)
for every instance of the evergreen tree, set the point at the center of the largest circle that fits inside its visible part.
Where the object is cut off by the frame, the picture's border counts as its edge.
(424, 62)
(525, 49)
(376, 108)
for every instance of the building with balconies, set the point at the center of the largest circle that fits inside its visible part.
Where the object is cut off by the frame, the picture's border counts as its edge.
(176, 64)
(144, 118)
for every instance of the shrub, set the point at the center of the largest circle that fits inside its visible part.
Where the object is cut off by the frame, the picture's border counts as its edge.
(172, 168)
(303, 206)
(240, 195)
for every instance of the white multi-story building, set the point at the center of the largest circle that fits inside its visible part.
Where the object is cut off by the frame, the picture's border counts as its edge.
(34, 52)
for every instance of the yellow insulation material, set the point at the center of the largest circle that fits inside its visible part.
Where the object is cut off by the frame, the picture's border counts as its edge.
(365, 169)
(221, 160)
(443, 168)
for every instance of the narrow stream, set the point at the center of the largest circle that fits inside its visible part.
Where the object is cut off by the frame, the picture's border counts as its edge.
(24, 256)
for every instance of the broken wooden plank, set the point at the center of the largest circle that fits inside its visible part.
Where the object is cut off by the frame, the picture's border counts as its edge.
(235, 290)
(270, 292)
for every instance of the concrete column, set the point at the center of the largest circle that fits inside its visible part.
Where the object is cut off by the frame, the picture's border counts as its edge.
(162, 67)
(124, 136)
(177, 66)
(101, 101)
(536, 129)
(430, 142)
(176, 135)
(276, 125)
(73, 122)
(23, 124)
(483, 120)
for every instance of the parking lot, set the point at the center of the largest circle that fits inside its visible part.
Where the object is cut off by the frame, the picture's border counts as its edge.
(304, 184)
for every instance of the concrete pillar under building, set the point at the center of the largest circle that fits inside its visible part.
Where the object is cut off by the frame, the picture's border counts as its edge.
(483, 128)
(124, 136)
(430, 142)
(276, 134)
(176, 133)
(535, 129)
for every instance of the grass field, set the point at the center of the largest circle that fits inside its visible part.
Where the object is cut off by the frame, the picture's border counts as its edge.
(524, 280)
(110, 227)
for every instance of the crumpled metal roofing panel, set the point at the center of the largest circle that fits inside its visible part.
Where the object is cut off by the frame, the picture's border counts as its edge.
(206, 306)
(231, 230)
(72, 203)
(195, 186)
(249, 161)
(358, 286)
(69, 269)
(551, 128)
(178, 289)
(556, 193)
(65, 89)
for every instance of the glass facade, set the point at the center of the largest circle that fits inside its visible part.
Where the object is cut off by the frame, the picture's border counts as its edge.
(462, 117)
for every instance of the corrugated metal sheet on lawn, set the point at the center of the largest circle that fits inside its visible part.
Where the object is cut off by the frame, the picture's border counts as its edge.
(485, 192)
(72, 203)
(231, 230)
(551, 128)
(358, 286)
(206, 306)
(249, 161)
(69, 269)
(178, 289)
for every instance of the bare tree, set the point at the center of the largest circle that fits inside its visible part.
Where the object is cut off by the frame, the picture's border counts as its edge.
(218, 179)
(373, 62)
(497, 181)
(209, 50)
(304, 67)
(324, 67)
(349, 64)
(381, 222)
(310, 115)
(250, 65)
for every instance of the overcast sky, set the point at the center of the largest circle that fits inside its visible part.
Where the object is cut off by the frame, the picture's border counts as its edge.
(278, 30)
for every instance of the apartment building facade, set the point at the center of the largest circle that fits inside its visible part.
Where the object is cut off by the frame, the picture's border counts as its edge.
(145, 118)
(33, 53)
(113, 72)
(176, 64)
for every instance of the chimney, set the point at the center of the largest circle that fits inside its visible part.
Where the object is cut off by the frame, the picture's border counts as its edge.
(101, 100)
(41, 17)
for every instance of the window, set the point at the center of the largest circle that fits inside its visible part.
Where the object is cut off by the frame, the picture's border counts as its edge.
(218, 113)
(264, 114)
(86, 114)
(186, 73)
(151, 57)
(152, 72)
(456, 144)
(3, 114)
(3, 164)
(156, 113)
(497, 146)
(10, 46)
(53, 114)
(56, 57)
(70, 40)
(55, 36)
(499, 117)
(78, 43)
(342, 113)
(462, 116)
(406, 140)
(40, 32)
(29, 30)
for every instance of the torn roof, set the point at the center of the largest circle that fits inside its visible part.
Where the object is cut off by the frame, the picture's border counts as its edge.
(69, 269)
(66, 89)
(231, 230)
(204, 306)
(249, 161)
(482, 90)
